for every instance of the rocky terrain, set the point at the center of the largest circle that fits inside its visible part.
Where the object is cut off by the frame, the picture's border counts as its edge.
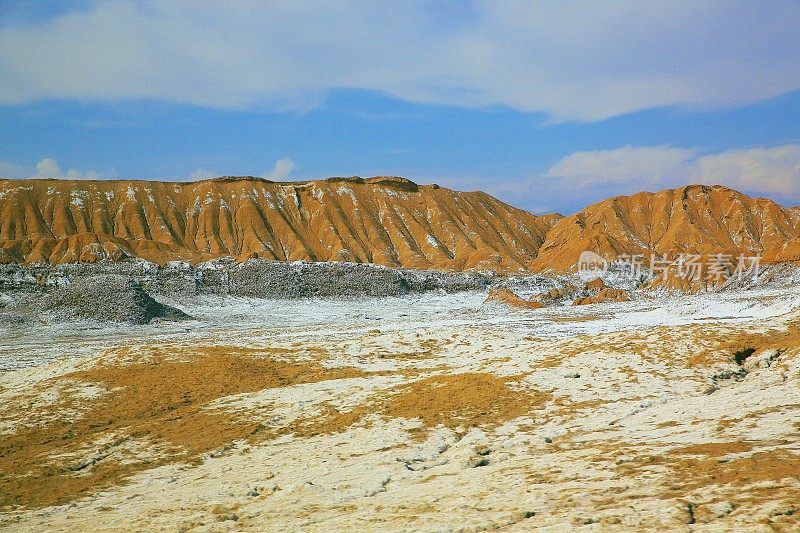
(105, 298)
(426, 412)
(220, 356)
(136, 291)
(695, 219)
(124, 291)
(382, 220)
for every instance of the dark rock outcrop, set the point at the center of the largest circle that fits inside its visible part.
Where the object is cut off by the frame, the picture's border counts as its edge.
(111, 298)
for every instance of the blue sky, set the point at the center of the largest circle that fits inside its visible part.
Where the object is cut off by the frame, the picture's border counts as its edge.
(548, 106)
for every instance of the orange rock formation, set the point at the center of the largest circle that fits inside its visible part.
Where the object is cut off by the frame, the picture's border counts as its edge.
(384, 220)
(506, 296)
(694, 219)
(603, 296)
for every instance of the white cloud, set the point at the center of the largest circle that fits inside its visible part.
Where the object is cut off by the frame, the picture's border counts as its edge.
(9, 169)
(644, 164)
(281, 170)
(585, 177)
(584, 61)
(202, 174)
(773, 170)
(49, 168)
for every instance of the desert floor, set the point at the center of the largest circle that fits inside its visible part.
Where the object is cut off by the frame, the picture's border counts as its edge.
(432, 413)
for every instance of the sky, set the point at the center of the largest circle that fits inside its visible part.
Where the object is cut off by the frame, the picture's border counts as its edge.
(547, 105)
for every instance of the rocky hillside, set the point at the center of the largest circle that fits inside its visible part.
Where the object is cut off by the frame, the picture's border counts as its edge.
(383, 220)
(694, 219)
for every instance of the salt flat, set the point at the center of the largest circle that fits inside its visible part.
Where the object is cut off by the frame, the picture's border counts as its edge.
(428, 412)
(257, 322)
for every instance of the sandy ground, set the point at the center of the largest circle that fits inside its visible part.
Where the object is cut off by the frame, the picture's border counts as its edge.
(432, 413)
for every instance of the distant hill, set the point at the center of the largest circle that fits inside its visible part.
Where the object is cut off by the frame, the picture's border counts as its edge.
(383, 220)
(695, 219)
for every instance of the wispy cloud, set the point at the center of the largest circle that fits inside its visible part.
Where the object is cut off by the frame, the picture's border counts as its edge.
(573, 61)
(585, 177)
(281, 170)
(49, 168)
(201, 174)
(643, 164)
(773, 170)
(9, 169)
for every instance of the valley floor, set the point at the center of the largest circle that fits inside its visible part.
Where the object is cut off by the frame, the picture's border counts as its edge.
(429, 412)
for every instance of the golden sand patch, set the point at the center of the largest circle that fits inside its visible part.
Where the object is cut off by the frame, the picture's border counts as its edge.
(39, 406)
(768, 465)
(728, 346)
(710, 472)
(570, 406)
(725, 423)
(466, 400)
(714, 449)
(690, 345)
(580, 318)
(160, 401)
(329, 420)
(763, 481)
(603, 343)
(687, 468)
(156, 411)
(548, 362)
(462, 400)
